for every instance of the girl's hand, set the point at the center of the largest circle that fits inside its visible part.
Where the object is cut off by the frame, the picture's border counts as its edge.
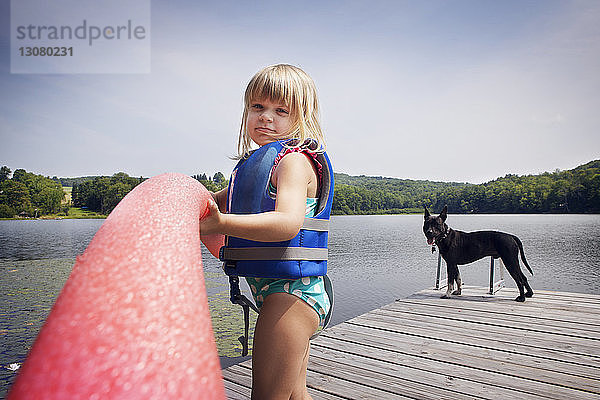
(211, 222)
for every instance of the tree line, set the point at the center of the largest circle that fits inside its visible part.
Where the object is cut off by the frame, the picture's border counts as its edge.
(214, 184)
(28, 194)
(572, 191)
(101, 194)
(379, 195)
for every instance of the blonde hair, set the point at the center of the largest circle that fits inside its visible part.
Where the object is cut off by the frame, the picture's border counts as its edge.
(293, 87)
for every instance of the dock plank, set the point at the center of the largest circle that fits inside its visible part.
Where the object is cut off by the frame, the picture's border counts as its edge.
(527, 342)
(238, 382)
(434, 356)
(481, 315)
(474, 346)
(422, 383)
(494, 331)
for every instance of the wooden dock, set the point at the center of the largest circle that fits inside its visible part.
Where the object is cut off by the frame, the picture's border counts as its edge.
(475, 346)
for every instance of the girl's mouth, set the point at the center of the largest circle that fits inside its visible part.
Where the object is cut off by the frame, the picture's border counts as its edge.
(265, 129)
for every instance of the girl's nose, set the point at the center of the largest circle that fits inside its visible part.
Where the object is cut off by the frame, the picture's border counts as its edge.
(265, 116)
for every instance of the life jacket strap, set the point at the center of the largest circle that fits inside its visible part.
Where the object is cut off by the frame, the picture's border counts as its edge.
(316, 224)
(236, 297)
(273, 253)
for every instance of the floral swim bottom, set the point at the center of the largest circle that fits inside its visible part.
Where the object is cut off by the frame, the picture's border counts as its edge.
(311, 289)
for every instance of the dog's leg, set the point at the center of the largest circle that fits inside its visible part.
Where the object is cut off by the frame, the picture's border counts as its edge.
(449, 290)
(452, 271)
(513, 268)
(529, 292)
(458, 290)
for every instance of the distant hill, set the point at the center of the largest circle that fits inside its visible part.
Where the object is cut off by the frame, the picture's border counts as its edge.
(572, 191)
(379, 195)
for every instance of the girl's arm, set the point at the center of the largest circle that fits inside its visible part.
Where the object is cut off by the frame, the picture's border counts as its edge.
(221, 199)
(293, 176)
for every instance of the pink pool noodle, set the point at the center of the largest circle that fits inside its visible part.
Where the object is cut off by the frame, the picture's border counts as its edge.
(132, 321)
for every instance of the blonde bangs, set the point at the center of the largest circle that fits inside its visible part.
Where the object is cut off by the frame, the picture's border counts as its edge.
(292, 87)
(271, 86)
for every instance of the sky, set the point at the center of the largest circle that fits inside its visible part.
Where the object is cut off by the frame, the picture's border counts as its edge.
(453, 90)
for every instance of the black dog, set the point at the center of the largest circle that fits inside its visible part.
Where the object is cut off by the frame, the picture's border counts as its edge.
(459, 248)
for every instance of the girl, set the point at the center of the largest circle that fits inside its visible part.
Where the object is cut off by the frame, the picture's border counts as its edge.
(270, 240)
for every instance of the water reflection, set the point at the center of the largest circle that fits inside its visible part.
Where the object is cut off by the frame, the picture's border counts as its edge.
(41, 239)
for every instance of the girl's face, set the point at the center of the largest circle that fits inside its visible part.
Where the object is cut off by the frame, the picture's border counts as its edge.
(268, 121)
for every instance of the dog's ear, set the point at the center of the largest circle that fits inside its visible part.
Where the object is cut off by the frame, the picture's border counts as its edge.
(426, 213)
(444, 213)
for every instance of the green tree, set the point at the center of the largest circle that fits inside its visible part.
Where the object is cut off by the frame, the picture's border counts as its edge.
(218, 178)
(50, 199)
(114, 194)
(4, 173)
(15, 195)
(6, 211)
(214, 184)
(102, 194)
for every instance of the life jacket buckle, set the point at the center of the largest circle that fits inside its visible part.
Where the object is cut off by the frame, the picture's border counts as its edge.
(227, 264)
(236, 297)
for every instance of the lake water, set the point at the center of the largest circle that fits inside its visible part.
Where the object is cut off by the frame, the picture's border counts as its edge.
(373, 261)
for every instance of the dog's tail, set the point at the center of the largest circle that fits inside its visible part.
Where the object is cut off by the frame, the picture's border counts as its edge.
(522, 253)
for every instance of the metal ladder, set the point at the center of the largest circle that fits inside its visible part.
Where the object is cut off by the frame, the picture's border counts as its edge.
(495, 286)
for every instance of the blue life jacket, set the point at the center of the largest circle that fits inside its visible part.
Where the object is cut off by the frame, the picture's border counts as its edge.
(303, 255)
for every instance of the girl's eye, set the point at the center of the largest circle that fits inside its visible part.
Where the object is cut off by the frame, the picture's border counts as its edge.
(257, 106)
(282, 110)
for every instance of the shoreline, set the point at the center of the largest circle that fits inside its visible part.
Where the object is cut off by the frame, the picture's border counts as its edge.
(74, 213)
(48, 218)
(100, 216)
